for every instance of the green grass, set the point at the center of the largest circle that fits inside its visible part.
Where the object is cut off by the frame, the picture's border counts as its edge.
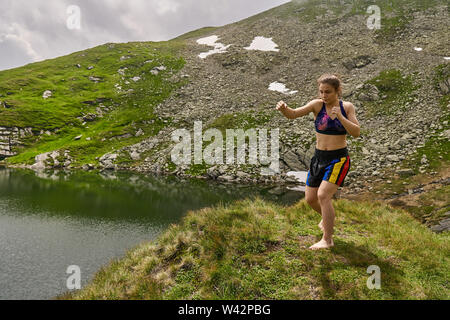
(196, 33)
(253, 249)
(395, 90)
(75, 95)
(395, 15)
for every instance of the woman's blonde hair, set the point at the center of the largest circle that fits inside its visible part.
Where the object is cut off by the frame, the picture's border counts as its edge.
(333, 80)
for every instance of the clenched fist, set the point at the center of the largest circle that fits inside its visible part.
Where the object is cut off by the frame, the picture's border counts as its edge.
(281, 106)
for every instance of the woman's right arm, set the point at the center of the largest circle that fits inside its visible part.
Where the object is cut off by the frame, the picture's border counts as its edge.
(299, 112)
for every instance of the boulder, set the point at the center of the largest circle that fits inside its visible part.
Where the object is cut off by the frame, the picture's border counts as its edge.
(292, 161)
(47, 94)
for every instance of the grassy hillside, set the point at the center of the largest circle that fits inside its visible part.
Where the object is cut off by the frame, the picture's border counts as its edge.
(258, 250)
(86, 83)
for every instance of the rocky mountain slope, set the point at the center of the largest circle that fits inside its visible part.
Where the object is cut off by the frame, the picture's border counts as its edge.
(115, 106)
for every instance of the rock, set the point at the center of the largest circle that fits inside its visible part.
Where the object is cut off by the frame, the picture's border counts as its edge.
(123, 136)
(405, 172)
(383, 150)
(358, 62)
(446, 133)
(225, 178)
(78, 137)
(243, 175)
(155, 71)
(121, 71)
(213, 172)
(47, 94)
(407, 136)
(90, 117)
(135, 156)
(369, 93)
(90, 67)
(393, 158)
(40, 161)
(7, 105)
(95, 79)
(107, 160)
(292, 161)
(443, 225)
(444, 86)
(424, 160)
(139, 133)
(136, 79)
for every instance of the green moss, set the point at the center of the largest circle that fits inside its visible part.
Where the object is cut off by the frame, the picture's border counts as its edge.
(395, 90)
(198, 169)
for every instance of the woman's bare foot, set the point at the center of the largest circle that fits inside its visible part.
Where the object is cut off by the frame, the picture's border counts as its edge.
(322, 244)
(321, 225)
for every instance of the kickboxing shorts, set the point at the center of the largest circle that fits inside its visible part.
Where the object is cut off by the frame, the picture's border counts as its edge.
(331, 166)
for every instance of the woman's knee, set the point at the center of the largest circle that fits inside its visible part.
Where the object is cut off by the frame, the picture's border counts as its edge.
(311, 198)
(323, 196)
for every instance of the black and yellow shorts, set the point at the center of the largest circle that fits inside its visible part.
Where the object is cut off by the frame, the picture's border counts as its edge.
(331, 166)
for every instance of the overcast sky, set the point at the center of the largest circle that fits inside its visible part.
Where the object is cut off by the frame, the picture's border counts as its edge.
(34, 30)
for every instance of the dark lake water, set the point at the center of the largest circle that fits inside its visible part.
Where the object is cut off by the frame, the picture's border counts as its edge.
(52, 220)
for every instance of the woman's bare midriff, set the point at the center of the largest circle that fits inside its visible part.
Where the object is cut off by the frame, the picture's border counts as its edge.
(330, 142)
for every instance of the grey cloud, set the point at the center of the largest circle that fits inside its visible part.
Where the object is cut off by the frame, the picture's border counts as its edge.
(36, 29)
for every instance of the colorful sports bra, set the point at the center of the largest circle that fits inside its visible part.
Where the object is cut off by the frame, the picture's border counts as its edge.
(325, 125)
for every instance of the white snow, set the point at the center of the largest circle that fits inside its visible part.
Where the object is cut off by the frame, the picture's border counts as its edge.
(212, 42)
(280, 87)
(447, 58)
(418, 49)
(263, 44)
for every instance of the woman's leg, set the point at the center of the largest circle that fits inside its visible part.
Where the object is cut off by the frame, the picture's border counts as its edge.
(325, 195)
(312, 199)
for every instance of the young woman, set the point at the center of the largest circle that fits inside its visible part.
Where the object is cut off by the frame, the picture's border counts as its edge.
(334, 119)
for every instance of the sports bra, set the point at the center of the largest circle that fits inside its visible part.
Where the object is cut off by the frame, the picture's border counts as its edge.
(325, 125)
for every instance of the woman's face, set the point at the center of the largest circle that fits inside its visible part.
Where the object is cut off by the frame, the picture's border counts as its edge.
(327, 92)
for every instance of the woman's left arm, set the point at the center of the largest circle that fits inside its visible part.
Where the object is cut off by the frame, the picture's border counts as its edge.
(350, 123)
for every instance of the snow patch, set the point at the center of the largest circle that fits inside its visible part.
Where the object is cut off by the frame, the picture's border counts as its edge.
(212, 42)
(280, 87)
(263, 44)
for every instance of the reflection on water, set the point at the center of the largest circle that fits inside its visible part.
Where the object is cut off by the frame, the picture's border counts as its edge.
(51, 220)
